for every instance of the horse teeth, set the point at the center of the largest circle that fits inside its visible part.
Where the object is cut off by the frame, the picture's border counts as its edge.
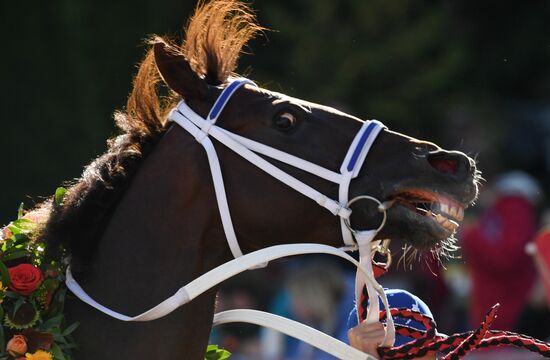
(460, 215)
(446, 223)
(453, 212)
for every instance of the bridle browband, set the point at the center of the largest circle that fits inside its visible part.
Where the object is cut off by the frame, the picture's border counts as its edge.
(205, 129)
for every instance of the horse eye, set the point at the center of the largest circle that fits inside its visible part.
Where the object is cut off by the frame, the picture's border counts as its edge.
(284, 121)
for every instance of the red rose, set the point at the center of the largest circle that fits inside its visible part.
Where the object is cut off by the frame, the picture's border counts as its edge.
(25, 278)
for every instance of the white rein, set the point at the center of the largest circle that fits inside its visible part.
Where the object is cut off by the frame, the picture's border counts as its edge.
(203, 129)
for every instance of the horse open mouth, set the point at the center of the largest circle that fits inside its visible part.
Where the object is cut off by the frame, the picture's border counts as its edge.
(444, 211)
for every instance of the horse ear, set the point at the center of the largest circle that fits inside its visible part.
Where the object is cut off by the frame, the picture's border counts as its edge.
(177, 73)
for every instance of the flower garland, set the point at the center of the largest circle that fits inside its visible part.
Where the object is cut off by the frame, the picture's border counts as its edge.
(32, 295)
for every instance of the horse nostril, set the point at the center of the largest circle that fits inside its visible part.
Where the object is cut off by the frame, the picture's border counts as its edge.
(449, 162)
(446, 166)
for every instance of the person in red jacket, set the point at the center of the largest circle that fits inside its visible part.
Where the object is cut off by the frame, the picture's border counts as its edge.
(493, 248)
(539, 249)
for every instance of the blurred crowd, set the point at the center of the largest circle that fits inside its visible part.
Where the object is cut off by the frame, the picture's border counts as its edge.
(504, 258)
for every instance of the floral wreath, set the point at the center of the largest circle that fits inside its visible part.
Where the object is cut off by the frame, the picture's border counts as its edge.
(33, 294)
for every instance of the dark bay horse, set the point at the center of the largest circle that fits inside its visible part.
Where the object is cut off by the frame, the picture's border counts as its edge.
(143, 219)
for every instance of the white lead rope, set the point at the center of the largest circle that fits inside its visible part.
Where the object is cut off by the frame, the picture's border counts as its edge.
(225, 271)
(295, 329)
(217, 275)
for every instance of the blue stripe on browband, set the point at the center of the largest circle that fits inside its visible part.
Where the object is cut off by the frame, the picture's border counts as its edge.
(360, 145)
(224, 96)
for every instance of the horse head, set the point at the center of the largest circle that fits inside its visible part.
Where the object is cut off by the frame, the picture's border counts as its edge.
(428, 187)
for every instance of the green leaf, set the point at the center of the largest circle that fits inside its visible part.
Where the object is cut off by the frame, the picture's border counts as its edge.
(50, 284)
(14, 229)
(59, 195)
(19, 239)
(213, 352)
(18, 304)
(14, 255)
(5, 276)
(20, 210)
(13, 295)
(58, 302)
(70, 329)
(57, 352)
(25, 225)
(52, 323)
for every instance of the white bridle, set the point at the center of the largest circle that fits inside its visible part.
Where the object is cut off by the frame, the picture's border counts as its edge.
(203, 129)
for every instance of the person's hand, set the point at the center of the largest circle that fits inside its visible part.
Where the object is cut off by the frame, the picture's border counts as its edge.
(367, 337)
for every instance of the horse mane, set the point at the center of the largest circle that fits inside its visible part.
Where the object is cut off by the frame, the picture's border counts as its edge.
(214, 38)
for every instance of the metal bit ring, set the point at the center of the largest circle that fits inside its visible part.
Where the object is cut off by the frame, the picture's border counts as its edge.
(381, 208)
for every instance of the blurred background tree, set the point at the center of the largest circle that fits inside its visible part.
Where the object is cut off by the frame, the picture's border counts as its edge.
(467, 74)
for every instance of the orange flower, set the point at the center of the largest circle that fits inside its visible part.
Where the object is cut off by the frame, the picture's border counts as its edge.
(17, 345)
(6, 233)
(39, 355)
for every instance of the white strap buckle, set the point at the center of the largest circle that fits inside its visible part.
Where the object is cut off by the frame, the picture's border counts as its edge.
(205, 131)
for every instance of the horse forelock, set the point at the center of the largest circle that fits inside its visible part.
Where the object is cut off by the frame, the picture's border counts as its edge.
(215, 37)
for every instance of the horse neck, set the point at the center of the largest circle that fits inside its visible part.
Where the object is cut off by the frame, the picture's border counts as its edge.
(164, 233)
